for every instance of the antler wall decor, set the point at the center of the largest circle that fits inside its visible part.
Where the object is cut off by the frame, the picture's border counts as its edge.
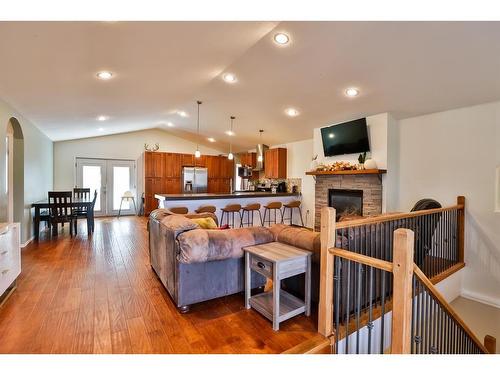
(156, 147)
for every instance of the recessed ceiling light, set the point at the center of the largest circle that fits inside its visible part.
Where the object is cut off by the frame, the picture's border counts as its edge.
(230, 133)
(211, 139)
(170, 125)
(281, 38)
(101, 129)
(102, 118)
(292, 112)
(182, 113)
(352, 92)
(104, 75)
(229, 78)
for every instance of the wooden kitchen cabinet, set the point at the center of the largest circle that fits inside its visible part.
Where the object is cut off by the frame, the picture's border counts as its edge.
(163, 170)
(201, 161)
(249, 159)
(152, 186)
(173, 186)
(187, 160)
(227, 168)
(275, 163)
(213, 164)
(154, 164)
(173, 165)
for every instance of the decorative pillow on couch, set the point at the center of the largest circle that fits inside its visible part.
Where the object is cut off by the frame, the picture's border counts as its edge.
(205, 222)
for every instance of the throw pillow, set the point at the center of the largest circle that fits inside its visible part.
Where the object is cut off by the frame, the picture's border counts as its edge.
(205, 222)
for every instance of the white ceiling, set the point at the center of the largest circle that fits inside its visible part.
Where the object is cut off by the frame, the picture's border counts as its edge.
(407, 68)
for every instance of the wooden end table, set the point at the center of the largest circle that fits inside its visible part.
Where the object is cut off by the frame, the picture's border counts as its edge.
(277, 261)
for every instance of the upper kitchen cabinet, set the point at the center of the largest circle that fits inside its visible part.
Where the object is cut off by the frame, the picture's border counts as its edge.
(213, 163)
(173, 165)
(154, 164)
(187, 160)
(201, 161)
(249, 159)
(227, 168)
(275, 163)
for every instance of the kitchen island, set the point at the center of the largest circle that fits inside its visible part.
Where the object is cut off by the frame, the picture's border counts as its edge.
(219, 200)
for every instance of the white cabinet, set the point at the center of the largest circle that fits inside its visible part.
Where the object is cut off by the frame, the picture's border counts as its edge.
(10, 255)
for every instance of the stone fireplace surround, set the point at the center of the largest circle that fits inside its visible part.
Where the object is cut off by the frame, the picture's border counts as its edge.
(370, 184)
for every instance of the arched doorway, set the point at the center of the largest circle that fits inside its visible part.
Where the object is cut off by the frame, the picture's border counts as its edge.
(14, 142)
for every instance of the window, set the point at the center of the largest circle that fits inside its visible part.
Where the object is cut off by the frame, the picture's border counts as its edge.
(121, 184)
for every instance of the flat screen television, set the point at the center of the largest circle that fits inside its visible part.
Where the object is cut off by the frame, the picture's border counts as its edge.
(346, 138)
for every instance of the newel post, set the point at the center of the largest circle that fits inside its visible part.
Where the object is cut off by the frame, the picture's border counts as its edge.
(402, 295)
(490, 343)
(461, 229)
(325, 314)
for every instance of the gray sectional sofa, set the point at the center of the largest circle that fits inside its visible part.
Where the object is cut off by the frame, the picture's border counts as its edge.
(197, 265)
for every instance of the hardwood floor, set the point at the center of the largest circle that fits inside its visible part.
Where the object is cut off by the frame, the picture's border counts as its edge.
(100, 295)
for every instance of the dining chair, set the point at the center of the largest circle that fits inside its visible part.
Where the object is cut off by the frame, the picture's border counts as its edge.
(61, 210)
(92, 222)
(82, 213)
(81, 194)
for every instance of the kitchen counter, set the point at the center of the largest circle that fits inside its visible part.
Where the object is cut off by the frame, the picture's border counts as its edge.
(235, 195)
(220, 200)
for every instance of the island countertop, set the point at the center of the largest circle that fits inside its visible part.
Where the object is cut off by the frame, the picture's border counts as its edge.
(234, 195)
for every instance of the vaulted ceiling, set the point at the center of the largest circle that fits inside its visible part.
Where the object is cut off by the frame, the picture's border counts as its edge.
(48, 73)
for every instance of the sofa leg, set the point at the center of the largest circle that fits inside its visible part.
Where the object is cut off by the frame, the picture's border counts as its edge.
(184, 309)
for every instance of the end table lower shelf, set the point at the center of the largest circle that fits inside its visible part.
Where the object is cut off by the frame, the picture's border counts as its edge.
(277, 261)
(289, 305)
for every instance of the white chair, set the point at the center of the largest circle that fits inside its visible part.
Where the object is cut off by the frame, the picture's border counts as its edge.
(127, 196)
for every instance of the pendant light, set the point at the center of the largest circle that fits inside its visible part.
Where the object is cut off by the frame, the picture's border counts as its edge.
(197, 153)
(260, 158)
(230, 156)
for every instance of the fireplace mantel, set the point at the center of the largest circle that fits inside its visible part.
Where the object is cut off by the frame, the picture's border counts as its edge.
(347, 172)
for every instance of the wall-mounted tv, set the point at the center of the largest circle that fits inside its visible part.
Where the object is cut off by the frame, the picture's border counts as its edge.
(346, 138)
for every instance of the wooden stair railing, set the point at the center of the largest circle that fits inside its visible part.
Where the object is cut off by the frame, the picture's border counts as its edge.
(345, 272)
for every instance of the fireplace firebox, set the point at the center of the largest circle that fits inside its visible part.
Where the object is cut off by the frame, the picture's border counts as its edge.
(347, 202)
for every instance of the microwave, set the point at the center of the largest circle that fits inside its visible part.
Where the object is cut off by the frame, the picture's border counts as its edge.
(244, 172)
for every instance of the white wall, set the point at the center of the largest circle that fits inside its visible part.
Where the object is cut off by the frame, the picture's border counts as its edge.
(443, 155)
(299, 155)
(38, 173)
(118, 146)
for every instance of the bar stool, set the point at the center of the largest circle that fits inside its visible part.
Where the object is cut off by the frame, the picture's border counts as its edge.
(275, 206)
(291, 206)
(178, 210)
(207, 208)
(230, 209)
(250, 209)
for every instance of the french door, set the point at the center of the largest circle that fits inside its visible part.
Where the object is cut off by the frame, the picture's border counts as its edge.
(112, 179)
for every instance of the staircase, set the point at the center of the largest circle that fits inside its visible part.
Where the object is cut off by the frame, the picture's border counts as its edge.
(377, 292)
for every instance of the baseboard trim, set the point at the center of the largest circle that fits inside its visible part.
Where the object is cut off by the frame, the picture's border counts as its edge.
(481, 299)
(27, 242)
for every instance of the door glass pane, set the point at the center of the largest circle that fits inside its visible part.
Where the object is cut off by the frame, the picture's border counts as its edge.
(91, 178)
(121, 184)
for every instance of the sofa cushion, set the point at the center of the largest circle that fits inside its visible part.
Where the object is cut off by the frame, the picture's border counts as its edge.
(296, 236)
(202, 245)
(178, 223)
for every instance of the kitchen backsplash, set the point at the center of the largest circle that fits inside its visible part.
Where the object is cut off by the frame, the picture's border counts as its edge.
(290, 182)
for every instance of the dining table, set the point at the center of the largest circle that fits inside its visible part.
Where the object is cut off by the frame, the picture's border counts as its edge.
(76, 203)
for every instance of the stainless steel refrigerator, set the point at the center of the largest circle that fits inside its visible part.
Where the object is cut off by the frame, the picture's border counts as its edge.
(194, 180)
